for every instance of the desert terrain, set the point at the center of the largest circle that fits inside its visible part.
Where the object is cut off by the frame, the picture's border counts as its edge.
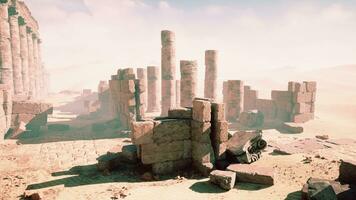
(61, 165)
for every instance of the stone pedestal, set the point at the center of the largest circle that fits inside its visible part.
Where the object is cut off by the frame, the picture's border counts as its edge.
(153, 88)
(188, 89)
(168, 71)
(210, 86)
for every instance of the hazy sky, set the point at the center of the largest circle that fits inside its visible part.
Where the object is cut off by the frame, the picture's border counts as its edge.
(85, 41)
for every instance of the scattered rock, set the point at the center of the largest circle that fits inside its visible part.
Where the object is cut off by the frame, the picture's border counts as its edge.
(347, 171)
(224, 179)
(322, 137)
(253, 174)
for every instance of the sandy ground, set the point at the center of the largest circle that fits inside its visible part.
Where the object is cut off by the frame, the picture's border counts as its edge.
(60, 165)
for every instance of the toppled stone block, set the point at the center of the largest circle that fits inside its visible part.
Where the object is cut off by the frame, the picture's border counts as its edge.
(180, 113)
(241, 141)
(169, 130)
(170, 166)
(252, 118)
(318, 189)
(347, 171)
(58, 127)
(224, 179)
(292, 127)
(253, 174)
(201, 111)
(142, 132)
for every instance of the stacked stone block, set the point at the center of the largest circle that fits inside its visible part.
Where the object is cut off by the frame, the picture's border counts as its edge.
(234, 97)
(153, 89)
(188, 86)
(250, 98)
(220, 126)
(210, 84)
(168, 71)
(303, 100)
(283, 103)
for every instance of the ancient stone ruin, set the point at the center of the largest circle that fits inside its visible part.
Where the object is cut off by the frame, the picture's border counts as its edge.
(23, 78)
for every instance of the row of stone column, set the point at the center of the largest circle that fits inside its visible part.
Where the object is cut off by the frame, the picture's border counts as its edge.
(21, 65)
(177, 93)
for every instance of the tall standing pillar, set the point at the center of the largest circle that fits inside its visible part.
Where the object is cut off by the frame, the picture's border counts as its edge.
(210, 86)
(36, 64)
(31, 63)
(24, 55)
(16, 50)
(142, 75)
(168, 71)
(188, 87)
(153, 89)
(40, 68)
(5, 47)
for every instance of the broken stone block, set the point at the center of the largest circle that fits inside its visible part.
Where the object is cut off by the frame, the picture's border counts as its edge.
(201, 111)
(58, 127)
(169, 130)
(224, 179)
(310, 86)
(180, 113)
(343, 192)
(217, 112)
(252, 118)
(292, 127)
(347, 171)
(318, 189)
(241, 141)
(142, 132)
(253, 174)
(170, 166)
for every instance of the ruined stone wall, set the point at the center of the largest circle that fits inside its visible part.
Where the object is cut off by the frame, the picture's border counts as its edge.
(187, 137)
(297, 104)
(234, 99)
(127, 96)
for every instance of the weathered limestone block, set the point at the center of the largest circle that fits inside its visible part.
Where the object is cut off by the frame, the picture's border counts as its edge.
(169, 130)
(220, 131)
(267, 107)
(300, 108)
(253, 174)
(203, 153)
(302, 118)
(250, 97)
(180, 113)
(224, 179)
(201, 111)
(157, 153)
(318, 189)
(304, 97)
(189, 76)
(292, 127)
(210, 83)
(30, 107)
(142, 132)
(347, 172)
(201, 131)
(153, 89)
(217, 112)
(234, 99)
(310, 86)
(170, 167)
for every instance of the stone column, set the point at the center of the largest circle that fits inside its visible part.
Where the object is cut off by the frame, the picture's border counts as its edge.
(31, 63)
(153, 89)
(177, 93)
(210, 86)
(168, 71)
(235, 99)
(40, 68)
(24, 55)
(188, 87)
(5, 47)
(142, 75)
(16, 50)
(36, 64)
